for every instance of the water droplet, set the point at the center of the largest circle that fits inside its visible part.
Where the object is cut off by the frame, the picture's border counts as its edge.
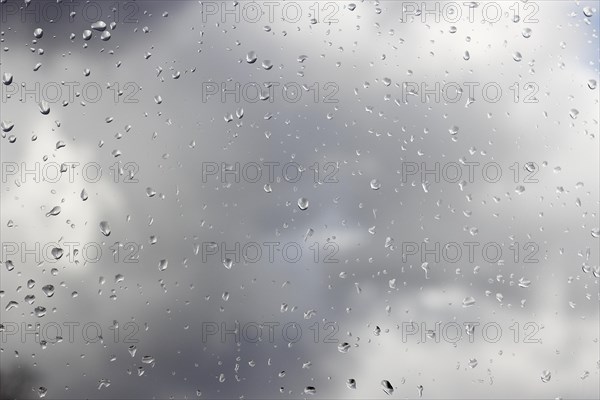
(48, 290)
(44, 107)
(267, 64)
(303, 203)
(7, 78)
(57, 253)
(87, 34)
(592, 84)
(351, 7)
(473, 362)
(105, 228)
(132, 349)
(55, 211)
(39, 311)
(517, 56)
(84, 195)
(267, 188)
(375, 184)
(38, 33)
(99, 26)
(387, 387)
(162, 265)
(468, 301)
(588, 12)
(546, 375)
(228, 263)
(425, 267)
(42, 391)
(310, 390)
(351, 383)
(343, 347)
(526, 33)
(105, 35)
(251, 57)
(452, 29)
(453, 130)
(467, 56)
(573, 113)
(6, 126)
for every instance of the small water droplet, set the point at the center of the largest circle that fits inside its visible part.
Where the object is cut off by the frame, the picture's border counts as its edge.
(387, 387)
(468, 301)
(162, 265)
(303, 203)
(375, 184)
(546, 376)
(38, 33)
(105, 228)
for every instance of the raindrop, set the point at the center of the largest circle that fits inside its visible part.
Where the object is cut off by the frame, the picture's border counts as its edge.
(44, 107)
(375, 184)
(251, 57)
(266, 64)
(573, 113)
(38, 33)
(6, 126)
(99, 26)
(162, 265)
(592, 84)
(526, 33)
(310, 390)
(55, 211)
(546, 375)
(57, 253)
(351, 383)
(48, 290)
(7, 78)
(303, 203)
(105, 228)
(87, 34)
(343, 347)
(468, 301)
(517, 56)
(387, 387)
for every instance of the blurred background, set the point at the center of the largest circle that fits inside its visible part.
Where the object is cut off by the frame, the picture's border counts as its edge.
(132, 209)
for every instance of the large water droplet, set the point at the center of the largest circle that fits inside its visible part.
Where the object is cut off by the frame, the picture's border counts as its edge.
(251, 57)
(99, 25)
(7, 78)
(48, 290)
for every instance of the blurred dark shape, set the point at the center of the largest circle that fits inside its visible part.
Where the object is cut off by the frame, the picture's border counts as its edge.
(16, 383)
